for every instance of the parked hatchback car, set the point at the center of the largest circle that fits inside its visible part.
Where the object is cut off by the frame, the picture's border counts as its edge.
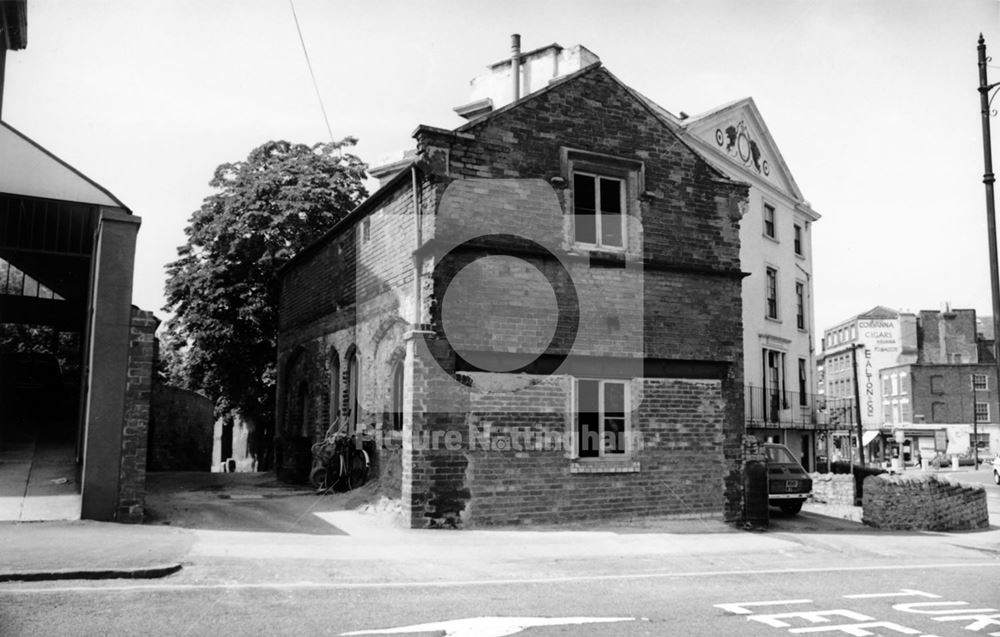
(788, 484)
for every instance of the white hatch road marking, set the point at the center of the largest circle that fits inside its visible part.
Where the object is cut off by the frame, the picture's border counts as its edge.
(903, 592)
(813, 617)
(743, 608)
(933, 608)
(976, 619)
(979, 622)
(860, 630)
(489, 626)
(15, 589)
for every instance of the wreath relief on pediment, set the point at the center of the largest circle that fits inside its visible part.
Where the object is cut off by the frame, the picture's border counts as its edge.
(736, 141)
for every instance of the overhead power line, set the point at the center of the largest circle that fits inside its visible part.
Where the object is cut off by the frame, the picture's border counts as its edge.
(305, 52)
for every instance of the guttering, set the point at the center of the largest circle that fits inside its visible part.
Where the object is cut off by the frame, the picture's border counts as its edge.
(418, 240)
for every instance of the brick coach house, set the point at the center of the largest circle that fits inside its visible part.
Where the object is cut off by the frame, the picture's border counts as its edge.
(537, 314)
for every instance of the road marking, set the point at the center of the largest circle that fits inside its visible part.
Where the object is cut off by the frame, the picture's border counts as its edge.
(489, 626)
(903, 592)
(979, 622)
(858, 630)
(919, 607)
(813, 617)
(741, 608)
(495, 582)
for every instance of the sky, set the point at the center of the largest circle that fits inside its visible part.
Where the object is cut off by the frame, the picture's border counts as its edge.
(873, 105)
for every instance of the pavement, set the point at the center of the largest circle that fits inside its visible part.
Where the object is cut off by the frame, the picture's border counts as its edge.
(237, 527)
(38, 481)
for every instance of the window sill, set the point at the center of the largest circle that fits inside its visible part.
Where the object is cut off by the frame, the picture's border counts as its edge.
(772, 319)
(597, 250)
(604, 466)
(769, 237)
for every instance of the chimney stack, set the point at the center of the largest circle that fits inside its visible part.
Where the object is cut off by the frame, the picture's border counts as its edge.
(515, 65)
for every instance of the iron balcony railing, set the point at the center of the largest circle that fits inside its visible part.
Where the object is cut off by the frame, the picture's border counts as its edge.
(771, 408)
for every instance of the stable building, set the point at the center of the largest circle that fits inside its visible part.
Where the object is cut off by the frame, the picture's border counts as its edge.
(538, 314)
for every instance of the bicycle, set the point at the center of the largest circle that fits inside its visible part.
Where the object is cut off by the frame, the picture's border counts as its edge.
(339, 462)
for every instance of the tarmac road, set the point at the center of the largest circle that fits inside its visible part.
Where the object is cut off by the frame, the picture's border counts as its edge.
(955, 597)
(647, 578)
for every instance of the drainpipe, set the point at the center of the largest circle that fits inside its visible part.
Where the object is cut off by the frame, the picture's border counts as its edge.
(515, 65)
(418, 241)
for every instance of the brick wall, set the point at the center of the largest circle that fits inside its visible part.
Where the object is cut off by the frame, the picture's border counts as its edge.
(923, 502)
(521, 467)
(135, 428)
(943, 393)
(832, 488)
(943, 335)
(181, 430)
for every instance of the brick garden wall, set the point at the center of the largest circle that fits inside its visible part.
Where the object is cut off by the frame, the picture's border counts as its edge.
(135, 428)
(181, 430)
(833, 488)
(923, 502)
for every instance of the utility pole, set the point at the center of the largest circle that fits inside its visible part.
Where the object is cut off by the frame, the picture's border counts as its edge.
(857, 404)
(975, 425)
(988, 178)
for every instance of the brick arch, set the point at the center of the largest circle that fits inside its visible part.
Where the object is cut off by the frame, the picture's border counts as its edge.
(393, 412)
(350, 378)
(383, 328)
(333, 388)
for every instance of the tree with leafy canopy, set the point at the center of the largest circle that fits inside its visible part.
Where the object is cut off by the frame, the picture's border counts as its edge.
(223, 289)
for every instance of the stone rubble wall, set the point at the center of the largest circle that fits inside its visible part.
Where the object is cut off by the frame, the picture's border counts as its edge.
(833, 488)
(923, 502)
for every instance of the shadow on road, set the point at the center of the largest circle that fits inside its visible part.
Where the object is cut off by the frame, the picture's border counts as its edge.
(254, 502)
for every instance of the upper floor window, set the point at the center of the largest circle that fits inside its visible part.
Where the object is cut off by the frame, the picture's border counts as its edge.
(800, 305)
(769, 227)
(982, 412)
(803, 398)
(937, 384)
(598, 210)
(979, 382)
(798, 239)
(771, 293)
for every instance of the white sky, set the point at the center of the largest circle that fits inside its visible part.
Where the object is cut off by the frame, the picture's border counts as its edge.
(872, 103)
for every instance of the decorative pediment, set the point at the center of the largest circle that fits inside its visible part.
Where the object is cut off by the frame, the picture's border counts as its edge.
(737, 135)
(739, 143)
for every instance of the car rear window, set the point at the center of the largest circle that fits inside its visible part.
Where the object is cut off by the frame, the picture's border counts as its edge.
(779, 455)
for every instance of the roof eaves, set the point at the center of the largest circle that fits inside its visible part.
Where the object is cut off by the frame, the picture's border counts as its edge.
(718, 109)
(666, 118)
(76, 172)
(350, 218)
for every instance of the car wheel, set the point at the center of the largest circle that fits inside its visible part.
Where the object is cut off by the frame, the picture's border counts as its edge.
(791, 508)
